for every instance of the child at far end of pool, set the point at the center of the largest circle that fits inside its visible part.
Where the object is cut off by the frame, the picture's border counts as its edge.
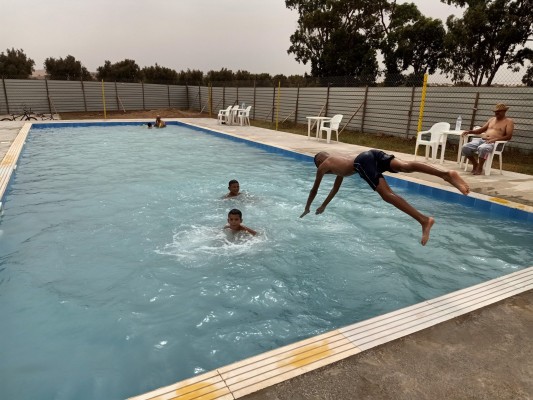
(235, 222)
(233, 188)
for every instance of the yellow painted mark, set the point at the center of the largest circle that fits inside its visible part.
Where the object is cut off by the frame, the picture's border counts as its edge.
(308, 354)
(498, 200)
(202, 390)
(8, 160)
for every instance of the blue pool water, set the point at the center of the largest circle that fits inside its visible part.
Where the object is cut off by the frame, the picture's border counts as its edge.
(116, 277)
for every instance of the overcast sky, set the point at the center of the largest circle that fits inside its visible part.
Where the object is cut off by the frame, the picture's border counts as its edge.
(251, 35)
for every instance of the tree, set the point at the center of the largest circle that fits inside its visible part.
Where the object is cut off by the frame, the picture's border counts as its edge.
(190, 77)
(527, 79)
(158, 74)
(15, 64)
(411, 41)
(224, 75)
(491, 34)
(66, 69)
(122, 71)
(336, 37)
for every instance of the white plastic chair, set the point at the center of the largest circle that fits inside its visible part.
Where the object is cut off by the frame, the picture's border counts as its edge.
(466, 140)
(434, 141)
(499, 145)
(224, 115)
(244, 116)
(234, 114)
(331, 125)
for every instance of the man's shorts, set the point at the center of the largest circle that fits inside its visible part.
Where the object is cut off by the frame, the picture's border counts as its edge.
(371, 164)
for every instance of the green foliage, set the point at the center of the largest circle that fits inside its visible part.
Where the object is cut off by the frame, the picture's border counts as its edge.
(491, 34)
(336, 37)
(527, 79)
(66, 69)
(15, 64)
(191, 77)
(158, 74)
(122, 71)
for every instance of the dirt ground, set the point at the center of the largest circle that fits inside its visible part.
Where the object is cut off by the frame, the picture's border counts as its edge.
(164, 113)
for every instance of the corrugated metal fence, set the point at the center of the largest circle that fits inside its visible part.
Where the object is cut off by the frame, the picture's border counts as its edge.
(46, 96)
(389, 110)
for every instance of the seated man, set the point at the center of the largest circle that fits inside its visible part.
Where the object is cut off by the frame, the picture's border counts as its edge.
(498, 127)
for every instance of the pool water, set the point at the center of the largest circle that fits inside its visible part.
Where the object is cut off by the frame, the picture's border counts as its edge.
(116, 276)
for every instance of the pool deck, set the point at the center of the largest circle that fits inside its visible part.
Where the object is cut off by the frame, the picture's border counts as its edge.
(483, 351)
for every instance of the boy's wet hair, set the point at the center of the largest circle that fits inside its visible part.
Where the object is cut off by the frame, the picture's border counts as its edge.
(235, 212)
(233, 181)
(149, 124)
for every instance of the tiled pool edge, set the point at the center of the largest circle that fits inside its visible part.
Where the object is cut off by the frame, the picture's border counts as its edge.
(250, 375)
(9, 163)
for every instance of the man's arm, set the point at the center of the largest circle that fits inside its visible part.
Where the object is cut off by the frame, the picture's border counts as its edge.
(336, 185)
(477, 131)
(314, 190)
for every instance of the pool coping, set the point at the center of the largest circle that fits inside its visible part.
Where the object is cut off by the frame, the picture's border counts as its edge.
(255, 373)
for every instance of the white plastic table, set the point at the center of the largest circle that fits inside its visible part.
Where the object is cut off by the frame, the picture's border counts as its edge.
(445, 138)
(318, 121)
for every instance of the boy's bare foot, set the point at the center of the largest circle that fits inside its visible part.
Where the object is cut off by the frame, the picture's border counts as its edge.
(426, 227)
(454, 178)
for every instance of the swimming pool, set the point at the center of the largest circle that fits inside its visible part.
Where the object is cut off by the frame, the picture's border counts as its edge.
(112, 252)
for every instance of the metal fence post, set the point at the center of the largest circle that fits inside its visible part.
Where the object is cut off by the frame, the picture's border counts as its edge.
(327, 101)
(48, 95)
(297, 99)
(364, 110)
(83, 92)
(5, 94)
(187, 95)
(410, 113)
(116, 95)
(168, 95)
(224, 95)
(254, 97)
(142, 86)
(474, 112)
(199, 98)
(273, 102)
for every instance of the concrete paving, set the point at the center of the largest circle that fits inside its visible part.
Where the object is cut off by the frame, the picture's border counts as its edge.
(486, 354)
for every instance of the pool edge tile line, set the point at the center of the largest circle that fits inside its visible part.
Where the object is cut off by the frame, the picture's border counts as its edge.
(9, 163)
(275, 366)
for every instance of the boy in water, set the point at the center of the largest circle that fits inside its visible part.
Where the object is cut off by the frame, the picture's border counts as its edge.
(233, 188)
(370, 165)
(159, 123)
(235, 222)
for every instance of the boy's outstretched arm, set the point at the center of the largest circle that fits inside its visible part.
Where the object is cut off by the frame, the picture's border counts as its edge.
(313, 192)
(331, 195)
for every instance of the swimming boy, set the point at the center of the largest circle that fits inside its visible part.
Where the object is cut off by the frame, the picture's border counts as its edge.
(233, 187)
(235, 222)
(370, 165)
(159, 123)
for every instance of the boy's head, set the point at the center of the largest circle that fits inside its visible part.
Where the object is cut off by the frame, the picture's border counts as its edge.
(233, 187)
(234, 218)
(319, 157)
(149, 124)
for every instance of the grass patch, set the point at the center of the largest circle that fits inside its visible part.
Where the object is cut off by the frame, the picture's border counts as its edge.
(513, 159)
